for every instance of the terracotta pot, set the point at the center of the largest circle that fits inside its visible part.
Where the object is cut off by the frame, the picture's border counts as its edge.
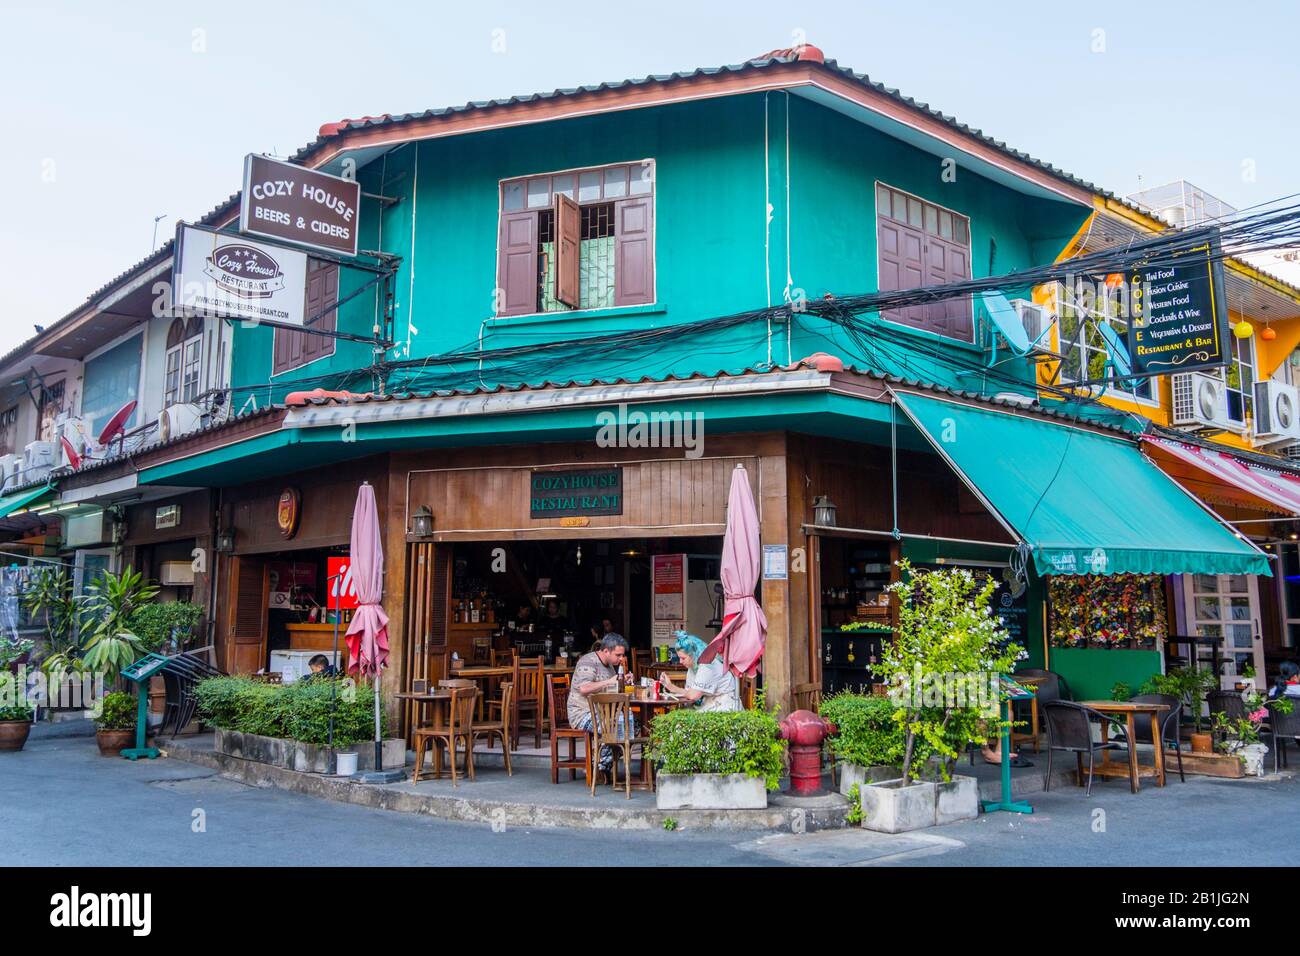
(1202, 743)
(13, 734)
(113, 742)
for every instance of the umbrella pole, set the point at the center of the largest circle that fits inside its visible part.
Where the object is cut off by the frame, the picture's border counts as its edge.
(379, 744)
(334, 690)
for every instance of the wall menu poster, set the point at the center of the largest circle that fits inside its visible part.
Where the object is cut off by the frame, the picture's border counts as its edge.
(669, 586)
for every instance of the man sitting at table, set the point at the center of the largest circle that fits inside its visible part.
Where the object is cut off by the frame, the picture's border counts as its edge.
(597, 673)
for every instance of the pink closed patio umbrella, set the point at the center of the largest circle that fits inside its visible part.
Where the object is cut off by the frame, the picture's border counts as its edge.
(367, 635)
(744, 626)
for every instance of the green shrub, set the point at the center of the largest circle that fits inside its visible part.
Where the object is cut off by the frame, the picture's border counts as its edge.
(867, 733)
(298, 711)
(16, 712)
(154, 623)
(744, 741)
(119, 711)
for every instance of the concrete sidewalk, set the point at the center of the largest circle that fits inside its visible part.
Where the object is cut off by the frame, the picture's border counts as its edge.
(526, 799)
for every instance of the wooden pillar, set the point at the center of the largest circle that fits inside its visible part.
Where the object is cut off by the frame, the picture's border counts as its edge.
(774, 528)
(393, 516)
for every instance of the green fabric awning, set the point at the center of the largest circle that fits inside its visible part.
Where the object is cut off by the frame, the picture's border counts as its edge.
(1083, 501)
(11, 503)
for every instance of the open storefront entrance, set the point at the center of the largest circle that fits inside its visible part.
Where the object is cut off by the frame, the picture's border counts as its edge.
(555, 597)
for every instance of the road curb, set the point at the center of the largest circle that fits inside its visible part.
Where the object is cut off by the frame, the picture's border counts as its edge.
(785, 815)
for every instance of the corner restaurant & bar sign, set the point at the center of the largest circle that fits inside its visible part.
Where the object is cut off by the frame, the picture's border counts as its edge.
(589, 491)
(1179, 313)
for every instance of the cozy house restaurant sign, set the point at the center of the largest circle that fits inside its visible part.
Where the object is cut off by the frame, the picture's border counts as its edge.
(299, 205)
(587, 491)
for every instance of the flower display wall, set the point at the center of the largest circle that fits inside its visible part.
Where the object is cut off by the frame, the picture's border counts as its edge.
(1115, 611)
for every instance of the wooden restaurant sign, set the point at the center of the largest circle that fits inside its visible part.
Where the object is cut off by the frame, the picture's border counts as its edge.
(303, 206)
(586, 491)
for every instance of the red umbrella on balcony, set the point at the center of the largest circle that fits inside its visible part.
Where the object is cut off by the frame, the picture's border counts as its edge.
(744, 626)
(367, 635)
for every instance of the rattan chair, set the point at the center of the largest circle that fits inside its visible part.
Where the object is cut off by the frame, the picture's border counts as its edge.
(1069, 728)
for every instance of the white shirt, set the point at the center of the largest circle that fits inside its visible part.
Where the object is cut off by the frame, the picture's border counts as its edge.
(720, 688)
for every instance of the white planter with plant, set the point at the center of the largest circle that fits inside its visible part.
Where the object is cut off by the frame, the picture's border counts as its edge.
(867, 743)
(942, 667)
(1240, 735)
(716, 760)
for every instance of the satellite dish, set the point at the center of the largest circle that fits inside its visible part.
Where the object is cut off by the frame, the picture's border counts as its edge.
(117, 424)
(73, 458)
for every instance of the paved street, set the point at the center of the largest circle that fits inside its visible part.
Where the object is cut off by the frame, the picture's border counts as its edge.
(56, 795)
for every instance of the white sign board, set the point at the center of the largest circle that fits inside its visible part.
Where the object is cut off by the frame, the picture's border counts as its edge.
(230, 276)
(774, 562)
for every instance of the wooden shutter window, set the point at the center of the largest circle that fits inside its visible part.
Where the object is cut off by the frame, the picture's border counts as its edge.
(517, 278)
(634, 280)
(293, 348)
(568, 228)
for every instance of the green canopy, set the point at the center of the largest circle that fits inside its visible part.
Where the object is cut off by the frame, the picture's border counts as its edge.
(11, 503)
(1084, 502)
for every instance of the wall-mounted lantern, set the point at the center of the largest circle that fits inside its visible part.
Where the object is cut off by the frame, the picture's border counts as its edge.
(824, 512)
(422, 522)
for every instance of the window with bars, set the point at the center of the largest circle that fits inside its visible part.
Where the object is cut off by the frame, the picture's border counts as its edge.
(921, 244)
(581, 239)
(1083, 347)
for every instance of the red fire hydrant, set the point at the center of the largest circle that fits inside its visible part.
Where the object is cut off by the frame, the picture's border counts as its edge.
(805, 731)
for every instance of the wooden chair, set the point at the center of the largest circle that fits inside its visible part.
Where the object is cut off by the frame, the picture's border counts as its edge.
(499, 728)
(457, 683)
(746, 688)
(642, 658)
(557, 702)
(806, 697)
(610, 713)
(504, 658)
(460, 726)
(530, 699)
(439, 667)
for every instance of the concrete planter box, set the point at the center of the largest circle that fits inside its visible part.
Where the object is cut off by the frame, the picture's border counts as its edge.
(852, 775)
(305, 758)
(957, 800)
(895, 807)
(710, 791)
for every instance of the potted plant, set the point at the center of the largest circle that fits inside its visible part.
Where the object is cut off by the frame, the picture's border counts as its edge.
(115, 725)
(868, 743)
(943, 667)
(1240, 735)
(720, 760)
(15, 725)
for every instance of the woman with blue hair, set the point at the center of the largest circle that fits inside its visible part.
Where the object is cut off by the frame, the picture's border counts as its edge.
(709, 686)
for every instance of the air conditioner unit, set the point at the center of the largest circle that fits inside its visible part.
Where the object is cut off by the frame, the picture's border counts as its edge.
(1037, 320)
(176, 573)
(1200, 401)
(1277, 412)
(10, 467)
(1291, 452)
(178, 420)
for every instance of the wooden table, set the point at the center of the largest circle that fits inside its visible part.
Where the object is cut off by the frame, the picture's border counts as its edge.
(645, 709)
(489, 673)
(439, 698)
(1130, 710)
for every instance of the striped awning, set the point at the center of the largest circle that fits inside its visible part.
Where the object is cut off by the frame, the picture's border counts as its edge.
(1226, 477)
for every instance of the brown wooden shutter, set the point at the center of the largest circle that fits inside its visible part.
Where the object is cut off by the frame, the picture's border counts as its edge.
(902, 266)
(517, 273)
(250, 596)
(634, 279)
(568, 231)
(293, 348)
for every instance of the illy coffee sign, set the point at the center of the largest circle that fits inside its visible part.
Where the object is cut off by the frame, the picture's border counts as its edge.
(294, 204)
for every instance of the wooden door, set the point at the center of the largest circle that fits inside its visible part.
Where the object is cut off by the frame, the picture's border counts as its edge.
(1226, 607)
(428, 588)
(250, 594)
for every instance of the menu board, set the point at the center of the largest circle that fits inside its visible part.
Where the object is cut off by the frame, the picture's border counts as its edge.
(1179, 315)
(1013, 612)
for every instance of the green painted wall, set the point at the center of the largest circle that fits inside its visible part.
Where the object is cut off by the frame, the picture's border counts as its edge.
(718, 165)
(1091, 672)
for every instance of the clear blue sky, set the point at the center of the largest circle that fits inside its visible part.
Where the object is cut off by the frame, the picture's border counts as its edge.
(117, 112)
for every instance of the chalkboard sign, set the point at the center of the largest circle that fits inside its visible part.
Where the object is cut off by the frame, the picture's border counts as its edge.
(1013, 612)
(1178, 313)
(587, 491)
